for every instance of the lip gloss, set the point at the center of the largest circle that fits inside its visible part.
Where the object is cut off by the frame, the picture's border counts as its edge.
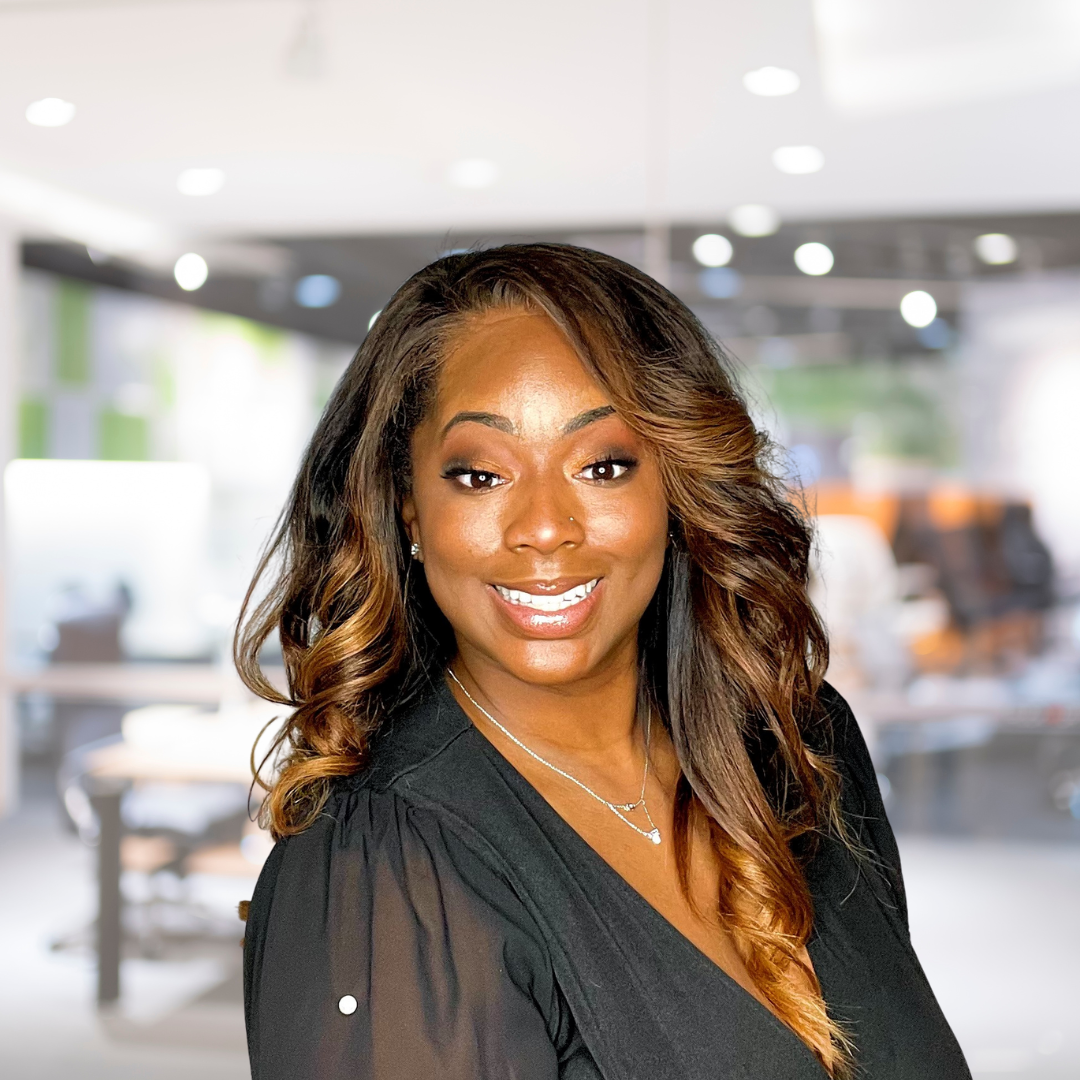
(548, 624)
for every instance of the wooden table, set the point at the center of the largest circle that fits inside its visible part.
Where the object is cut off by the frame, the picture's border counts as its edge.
(111, 772)
(196, 684)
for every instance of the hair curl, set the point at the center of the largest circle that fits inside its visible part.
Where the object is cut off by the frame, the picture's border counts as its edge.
(732, 653)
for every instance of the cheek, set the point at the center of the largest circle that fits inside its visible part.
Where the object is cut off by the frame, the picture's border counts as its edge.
(458, 533)
(629, 529)
(634, 530)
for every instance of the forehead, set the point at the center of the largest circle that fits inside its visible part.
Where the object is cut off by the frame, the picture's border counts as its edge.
(514, 362)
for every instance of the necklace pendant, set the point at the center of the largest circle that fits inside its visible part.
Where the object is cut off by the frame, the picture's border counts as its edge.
(654, 836)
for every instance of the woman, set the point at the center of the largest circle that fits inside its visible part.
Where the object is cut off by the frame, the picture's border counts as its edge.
(564, 793)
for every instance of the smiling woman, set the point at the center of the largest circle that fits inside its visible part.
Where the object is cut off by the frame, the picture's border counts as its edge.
(563, 793)
(504, 498)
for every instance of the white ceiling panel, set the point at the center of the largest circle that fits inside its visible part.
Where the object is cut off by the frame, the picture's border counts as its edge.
(348, 115)
(882, 56)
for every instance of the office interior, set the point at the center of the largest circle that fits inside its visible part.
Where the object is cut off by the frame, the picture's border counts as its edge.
(874, 205)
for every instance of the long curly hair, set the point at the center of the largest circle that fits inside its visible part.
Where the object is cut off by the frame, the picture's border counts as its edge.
(732, 653)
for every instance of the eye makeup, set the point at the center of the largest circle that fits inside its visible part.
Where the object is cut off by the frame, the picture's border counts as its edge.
(457, 467)
(487, 479)
(609, 464)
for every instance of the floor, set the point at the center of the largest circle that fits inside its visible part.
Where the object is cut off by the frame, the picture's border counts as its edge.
(997, 927)
(994, 920)
(181, 1015)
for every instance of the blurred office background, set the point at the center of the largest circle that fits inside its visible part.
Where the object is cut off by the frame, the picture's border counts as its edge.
(874, 204)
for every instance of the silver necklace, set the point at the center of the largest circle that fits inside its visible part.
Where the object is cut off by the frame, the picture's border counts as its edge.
(620, 810)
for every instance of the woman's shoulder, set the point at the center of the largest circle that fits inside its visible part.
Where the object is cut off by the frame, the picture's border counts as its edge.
(367, 839)
(377, 838)
(416, 810)
(862, 805)
(401, 822)
(842, 740)
(379, 909)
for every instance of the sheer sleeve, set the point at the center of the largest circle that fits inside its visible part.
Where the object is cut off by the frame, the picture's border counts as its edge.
(378, 947)
(863, 807)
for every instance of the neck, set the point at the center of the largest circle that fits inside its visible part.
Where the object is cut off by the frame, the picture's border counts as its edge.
(589, 717)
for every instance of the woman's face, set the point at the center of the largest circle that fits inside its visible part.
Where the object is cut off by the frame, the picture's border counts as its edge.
(540, 516)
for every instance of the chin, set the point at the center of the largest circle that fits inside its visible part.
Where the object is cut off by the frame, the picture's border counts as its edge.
(553, 663)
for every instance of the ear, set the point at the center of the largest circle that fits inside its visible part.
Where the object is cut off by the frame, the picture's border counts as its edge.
(408, 518)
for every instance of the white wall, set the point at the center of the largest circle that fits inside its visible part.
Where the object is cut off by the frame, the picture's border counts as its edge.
(10, 307)
(1020, 400)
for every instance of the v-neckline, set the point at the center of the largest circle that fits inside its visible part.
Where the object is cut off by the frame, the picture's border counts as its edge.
(555, 821)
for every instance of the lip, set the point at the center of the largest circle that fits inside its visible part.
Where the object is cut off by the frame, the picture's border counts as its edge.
(545, 624)
(546, 586)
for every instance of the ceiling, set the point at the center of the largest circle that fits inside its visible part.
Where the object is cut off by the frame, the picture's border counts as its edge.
(877, 261)
(346, 116)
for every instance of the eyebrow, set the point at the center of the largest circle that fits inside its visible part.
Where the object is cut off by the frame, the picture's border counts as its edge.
(589, 417)
(503, 423)
(488, 419)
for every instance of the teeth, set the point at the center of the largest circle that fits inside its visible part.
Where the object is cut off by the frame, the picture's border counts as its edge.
(548, 603)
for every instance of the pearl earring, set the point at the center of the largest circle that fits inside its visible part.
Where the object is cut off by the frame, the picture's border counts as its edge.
(414, 550)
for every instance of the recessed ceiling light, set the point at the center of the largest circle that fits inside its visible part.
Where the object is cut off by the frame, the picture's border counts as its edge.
(798, 160)
(995, 248)
(190, 272)
(317, 291)
(753, 219)
(814, 259)
(50, 112)
(918, 309)
(771, 81)
(712, 249)
(200, 181)
(473, 173)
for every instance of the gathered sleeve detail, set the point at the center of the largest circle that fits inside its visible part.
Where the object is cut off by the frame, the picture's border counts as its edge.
(380, 945)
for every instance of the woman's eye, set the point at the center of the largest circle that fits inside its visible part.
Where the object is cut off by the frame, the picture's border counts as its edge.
(606, 471)
(475, 479)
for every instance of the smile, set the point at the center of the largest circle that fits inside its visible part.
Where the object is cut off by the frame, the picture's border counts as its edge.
(559, 602)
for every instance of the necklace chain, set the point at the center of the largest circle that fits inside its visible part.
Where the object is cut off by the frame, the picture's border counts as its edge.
(620, 810)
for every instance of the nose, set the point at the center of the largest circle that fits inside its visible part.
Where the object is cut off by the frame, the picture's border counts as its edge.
(544, 519)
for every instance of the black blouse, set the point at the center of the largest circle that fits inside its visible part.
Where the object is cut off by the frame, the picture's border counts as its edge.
(441, 920)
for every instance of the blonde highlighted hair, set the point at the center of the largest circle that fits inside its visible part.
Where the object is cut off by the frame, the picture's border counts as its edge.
(732, 652)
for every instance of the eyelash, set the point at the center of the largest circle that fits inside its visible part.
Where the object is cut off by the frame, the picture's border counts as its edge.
(627, 464)
(454, 472)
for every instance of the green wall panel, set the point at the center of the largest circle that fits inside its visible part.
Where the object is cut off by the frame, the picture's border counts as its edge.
(122, 437)
(72, 333)
(33, 428)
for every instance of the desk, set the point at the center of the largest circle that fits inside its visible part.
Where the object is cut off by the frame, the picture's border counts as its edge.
(111, 771)
(895, 707)
(203, 684)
